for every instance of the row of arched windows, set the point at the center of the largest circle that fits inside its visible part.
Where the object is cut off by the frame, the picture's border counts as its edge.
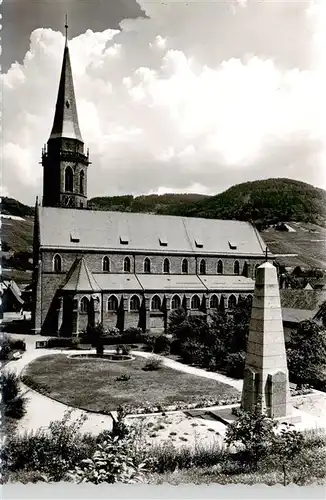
(69, 180)
(184, 266)
(156, 303)
(57, 266)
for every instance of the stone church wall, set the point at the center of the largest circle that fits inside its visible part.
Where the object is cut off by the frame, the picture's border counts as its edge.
(94, 261)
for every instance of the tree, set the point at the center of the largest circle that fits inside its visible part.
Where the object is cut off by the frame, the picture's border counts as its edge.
(97, 335)
(254, 431)
(177, 317)
(306, 354)
(287, 445)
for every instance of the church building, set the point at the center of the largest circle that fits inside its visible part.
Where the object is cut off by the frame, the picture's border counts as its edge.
(124, 269)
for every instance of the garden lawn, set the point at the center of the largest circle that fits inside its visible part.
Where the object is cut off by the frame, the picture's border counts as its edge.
(91, 384)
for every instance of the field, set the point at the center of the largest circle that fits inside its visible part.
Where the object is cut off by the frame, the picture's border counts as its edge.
(307, 240)
(92, 384)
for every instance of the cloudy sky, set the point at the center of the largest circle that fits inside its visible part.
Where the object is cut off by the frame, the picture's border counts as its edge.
(172, 96)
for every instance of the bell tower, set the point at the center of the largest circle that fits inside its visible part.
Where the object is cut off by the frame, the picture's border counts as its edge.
(63, 158)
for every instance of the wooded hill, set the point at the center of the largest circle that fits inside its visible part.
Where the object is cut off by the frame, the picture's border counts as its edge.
(263, 203)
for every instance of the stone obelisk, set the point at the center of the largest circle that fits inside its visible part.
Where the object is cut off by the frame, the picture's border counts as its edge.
(266, 379)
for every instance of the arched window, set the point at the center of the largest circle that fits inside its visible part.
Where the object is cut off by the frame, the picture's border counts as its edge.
(84, 303)
(236, 267)
(106, 264)
(232, 302)
(195, 302)
(184, 266)
(57, 261)
(156, 303)
(126, 265)
(69, 179)
(245, 270)
(147, 265)
(256, 268)
(112, 303)
(166, 266)
(214, 302)
(134, 303)
(202, 267)
(175, 302)
(219, 267)
(81, 182)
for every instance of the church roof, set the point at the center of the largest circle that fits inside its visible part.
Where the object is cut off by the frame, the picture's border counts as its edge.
(65, 122)
(132, 232)
(80, 278)
(301, 299)
(296, 315)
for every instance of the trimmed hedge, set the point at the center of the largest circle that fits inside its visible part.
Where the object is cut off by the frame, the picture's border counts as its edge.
(71, 342)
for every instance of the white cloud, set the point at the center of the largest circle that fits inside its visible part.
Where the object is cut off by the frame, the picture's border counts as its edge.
(198, 97)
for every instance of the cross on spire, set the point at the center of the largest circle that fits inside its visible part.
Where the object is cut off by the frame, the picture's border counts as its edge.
(266, 254)
(66, 27)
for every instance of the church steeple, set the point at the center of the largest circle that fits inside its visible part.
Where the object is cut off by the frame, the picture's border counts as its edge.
(65, 123)
(65, 164)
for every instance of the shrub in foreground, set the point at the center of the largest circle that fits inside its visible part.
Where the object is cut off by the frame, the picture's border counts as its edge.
(110, 463)
(50, 453)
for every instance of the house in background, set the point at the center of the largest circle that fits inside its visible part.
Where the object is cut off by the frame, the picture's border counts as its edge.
(11, 297)
(300, 305)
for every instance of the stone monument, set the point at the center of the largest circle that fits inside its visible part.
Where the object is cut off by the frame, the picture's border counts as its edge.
(266, 379)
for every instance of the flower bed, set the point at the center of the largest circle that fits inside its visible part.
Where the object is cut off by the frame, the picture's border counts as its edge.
(180, 406)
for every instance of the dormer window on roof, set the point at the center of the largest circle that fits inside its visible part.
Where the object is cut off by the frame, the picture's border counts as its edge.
(74, 236)
(199, 243)
(163, 241)
(124, 240)
(232, 245)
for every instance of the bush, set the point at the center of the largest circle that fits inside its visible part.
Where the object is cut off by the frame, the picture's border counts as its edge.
(12, 402)
(110, 463)
(5, 351)
(123, 349)
(235, 364)
(9, 386)
(175, 346)
(16, 408)
(254, 432)
(132, 335)
(153, 363)
(70, 342)
(17, 344)
(149, 342)
(50, 453)
(162, 345)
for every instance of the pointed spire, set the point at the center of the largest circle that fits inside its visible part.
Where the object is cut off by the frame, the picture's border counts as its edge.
(65, 123)
(66, 28)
